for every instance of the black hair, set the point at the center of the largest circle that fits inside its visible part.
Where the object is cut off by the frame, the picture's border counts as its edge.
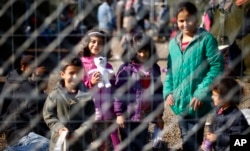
(229, 90)
(71, 62)
(83, 50)
(188, 6)
(27, 60)
(142, 41)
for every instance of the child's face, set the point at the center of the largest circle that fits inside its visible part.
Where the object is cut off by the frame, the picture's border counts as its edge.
(26, 69)
(95, 45)
(215, 97)
(143, 55)
(72, 76)
(186, 23)
(217, 100)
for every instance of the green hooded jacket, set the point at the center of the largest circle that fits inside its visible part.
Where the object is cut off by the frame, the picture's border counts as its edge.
(190, 72)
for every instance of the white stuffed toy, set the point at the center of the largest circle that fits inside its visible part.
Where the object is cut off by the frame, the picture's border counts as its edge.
(100, 63)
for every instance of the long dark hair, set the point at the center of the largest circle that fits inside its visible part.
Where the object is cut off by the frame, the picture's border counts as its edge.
(82, 47)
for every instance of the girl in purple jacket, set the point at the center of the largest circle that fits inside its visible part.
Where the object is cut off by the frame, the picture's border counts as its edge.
(94, 44)
(138, 95)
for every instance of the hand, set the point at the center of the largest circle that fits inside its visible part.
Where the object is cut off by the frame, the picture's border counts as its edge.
(95, 78)
(203, 146)
(240, 2)
(170, 100)
(63, 129)
(120, 121)
(195, 103)
(211, 137)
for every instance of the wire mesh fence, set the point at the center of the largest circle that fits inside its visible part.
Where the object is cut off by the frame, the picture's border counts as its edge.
(51, 32)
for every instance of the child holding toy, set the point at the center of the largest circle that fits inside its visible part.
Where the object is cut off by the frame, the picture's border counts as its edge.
(95, 44)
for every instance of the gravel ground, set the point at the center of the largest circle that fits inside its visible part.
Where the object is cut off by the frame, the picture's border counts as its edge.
(171, 129)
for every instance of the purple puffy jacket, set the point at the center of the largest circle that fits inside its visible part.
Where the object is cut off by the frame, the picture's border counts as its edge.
(131, 95)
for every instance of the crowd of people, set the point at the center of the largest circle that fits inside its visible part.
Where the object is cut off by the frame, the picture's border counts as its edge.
(117, 117)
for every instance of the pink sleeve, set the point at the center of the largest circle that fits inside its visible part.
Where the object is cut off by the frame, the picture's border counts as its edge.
(86, 81)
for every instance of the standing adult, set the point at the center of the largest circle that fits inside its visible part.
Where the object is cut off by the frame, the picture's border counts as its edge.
(245, 27)
(106, 16)
(224, 7)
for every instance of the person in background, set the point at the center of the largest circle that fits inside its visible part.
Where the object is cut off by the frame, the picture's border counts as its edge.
(69, 108)
(39, 81)
(163, 22)
(119, 15)
(14, 79)
(245, 27)
(193, 63)
(138, 95)
(106, 16)
(94, 44)
(227, 119)
(130, 27)
(21, 120)
(224, 7)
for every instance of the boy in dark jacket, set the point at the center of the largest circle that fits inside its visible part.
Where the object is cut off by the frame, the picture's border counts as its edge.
(22, 115)
(69, 107)
(13, 80)
(39, 81)
(227, 119)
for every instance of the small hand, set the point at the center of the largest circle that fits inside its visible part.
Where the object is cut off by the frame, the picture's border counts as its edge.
(203, 146)
(120, 121)
(95, 78)
(195, 103)
(63, 129)
(170, 100)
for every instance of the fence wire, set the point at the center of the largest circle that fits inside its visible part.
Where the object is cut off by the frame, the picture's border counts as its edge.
(17, 39)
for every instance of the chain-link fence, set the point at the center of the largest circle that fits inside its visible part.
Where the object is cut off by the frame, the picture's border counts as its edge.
(51, 31)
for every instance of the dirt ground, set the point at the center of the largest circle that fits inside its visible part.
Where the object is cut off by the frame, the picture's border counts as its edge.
(171, 129)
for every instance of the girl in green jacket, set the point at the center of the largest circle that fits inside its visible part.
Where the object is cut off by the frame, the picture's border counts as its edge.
(193, 63)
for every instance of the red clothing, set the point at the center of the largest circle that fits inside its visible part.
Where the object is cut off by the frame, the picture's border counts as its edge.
(184, 45)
